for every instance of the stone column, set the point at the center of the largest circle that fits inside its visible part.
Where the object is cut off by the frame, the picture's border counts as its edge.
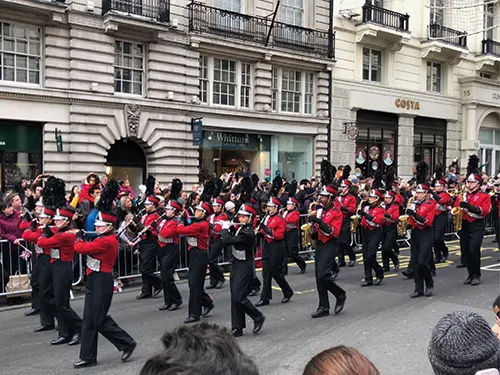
(405, 146)
(470, 143)
(262, 85)
(453, 138)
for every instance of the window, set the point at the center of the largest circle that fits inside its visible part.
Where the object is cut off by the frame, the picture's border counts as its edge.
(437, 12)
(20, 53)
(232, 5)
(292, 12)
(433, 77)
(485, 75)
(489, 152)
(129, 67)
(292, 91)
(372, 65)
(489, 19)
(225, 82)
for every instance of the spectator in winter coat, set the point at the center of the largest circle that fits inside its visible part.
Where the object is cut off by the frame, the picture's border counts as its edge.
(126, 188)
(10, 231)
(91, 182)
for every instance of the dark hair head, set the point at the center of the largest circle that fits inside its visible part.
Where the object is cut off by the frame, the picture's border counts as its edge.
(3, 205)
(200, 349)
(340, 360)
(96, 177)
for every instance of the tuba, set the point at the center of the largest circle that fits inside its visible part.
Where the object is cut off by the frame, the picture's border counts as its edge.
(403, 219)
(457, 212)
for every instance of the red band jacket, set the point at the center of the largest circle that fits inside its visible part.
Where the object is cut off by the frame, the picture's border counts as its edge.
(426, 211)
(333, 218)
(32, 236)
(393, 211)
(348, 201)
(292, 220)
(196, 234)
(168, 232)
(276, 229)
(101, 252)
(148, 220)
(477, 199)
(443, 200)
(61, 246)
(398, 200)
(215, 229)
(376, 219)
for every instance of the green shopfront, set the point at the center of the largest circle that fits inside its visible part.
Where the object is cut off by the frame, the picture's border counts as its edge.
(20, 152)
(290, 156)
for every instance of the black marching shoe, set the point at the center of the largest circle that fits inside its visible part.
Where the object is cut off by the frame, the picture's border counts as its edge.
(367, 283)
(475, 281)
(262, 303)
(220, 284)
(468, 280)
(254, 292)
(378, 280)
(339, 306)
(85, 363)
(287, 299)
(60, 340)
(175, 306)
(143, 296)
(156, 291)
(386, 269)
(237, 332)
(164, 307)
(407, 274)
(416, 294)
(32, 312)
(76, 340)
(352, 263)
(461, 265)
(128, 352)
(428, 291)
(396, 266)
(44, 328)
(192, 319)
(257, 324)
(211, 286)
(206, 309)
(320, 312)
(303, 270)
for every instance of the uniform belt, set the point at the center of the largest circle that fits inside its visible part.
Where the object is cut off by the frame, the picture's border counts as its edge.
(93, 264)
(38, 249)
(165, 240)
(55, 254)
(474, 216)
(291, 226)
(441, 207)
(372, 224)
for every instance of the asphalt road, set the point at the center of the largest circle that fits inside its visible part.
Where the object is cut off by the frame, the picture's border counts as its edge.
(382, 322)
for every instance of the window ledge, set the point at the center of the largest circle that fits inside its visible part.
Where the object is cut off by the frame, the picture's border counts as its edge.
(20, 84)
(125, 95)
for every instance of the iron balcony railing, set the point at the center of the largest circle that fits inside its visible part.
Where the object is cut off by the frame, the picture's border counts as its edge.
(491, 47)
(158, 10)
(448, 35)
(385, 17)
(228, 24)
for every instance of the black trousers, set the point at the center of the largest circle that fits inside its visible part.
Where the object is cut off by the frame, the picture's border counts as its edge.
(214, 251)
(274, 267)
(292, 247)
(439, 227)
(147, 266)
(497, 232)
(69, 322)
(323, 261)
(40, 282)
(96, 319)
(389, 237)
(345, 242)
(198, 261)
(421, 254)
(35, 286)
(471, 240)
(371, 241)
(240, 281)
(169, 260)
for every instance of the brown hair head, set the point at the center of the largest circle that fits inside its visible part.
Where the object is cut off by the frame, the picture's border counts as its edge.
(340, 360)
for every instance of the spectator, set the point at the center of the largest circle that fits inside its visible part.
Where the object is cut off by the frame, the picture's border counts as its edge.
(126, 188)
(200, 349)
(462, 343)
(340, 360)
(91, 181)
(496, 310)
(10, 231)
(74, 196)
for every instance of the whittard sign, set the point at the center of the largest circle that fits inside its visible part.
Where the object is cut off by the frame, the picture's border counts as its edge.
(231, 141)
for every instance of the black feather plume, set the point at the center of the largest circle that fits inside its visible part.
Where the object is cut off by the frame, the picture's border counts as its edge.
(389, 178)
(175, 189)
(438, 172)
(150, 185)
(346, 172)
(255, 180)
(246, 189)
(54, 193)
(208, 191)
(473, 165)
(218, 187)
(422, 172)
(108, 196)
(377, 179)
(276, 187)
(327, 173)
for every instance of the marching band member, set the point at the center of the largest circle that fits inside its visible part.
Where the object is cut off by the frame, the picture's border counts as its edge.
(371, 222)
(390, 232)
(497, 202)
(168, 240)
(272, 228)
(197, 234)
(101, 253)
(216, 245)
(443, 200)
(421, 217)
(41, 274)
(62, 251)
(242, 242)
(327, 226)
(291, 216)
(475, 206)
(348, 206)
(148, 244)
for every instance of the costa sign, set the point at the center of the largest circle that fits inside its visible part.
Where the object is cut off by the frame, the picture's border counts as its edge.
(408, 104)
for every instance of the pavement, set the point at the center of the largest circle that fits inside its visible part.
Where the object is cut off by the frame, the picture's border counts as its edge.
(381, 321)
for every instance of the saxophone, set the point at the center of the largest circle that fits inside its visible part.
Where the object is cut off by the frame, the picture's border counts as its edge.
(403, 219)
(355, 218)
(457, 212)
(307, 229)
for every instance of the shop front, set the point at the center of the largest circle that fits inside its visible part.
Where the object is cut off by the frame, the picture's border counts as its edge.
(20, 152)
(290, 156)
(429, 141)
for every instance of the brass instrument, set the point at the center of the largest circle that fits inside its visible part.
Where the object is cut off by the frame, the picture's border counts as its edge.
(306, 229)
(403, 219)
(457, 213)
(355, 218)
(452, 193)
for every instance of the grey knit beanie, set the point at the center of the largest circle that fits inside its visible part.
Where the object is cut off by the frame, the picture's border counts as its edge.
(463, 343)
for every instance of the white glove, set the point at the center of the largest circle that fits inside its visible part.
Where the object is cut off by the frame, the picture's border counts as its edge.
(226, 225)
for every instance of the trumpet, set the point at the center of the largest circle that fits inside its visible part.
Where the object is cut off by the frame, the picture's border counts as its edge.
(452, 192)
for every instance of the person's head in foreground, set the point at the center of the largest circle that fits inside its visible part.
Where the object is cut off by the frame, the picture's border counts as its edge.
(462, 343)
(340, 360)
(496, 311)
(198, 350)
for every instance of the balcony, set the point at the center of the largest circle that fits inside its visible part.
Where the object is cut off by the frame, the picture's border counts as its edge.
(489, 56)
(156, 10)
(452, 36)
(51, 12)
(204, 19)
(386, 17)
(490, 47)
(445, 42)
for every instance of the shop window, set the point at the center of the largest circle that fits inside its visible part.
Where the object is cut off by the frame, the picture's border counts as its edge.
(292, 91)
(225, 82)
(489, 153)
(292, 156)
(434, 73)
(20, 47)
(372, 65)
(292, 12)
(429, 141)
(129, 67)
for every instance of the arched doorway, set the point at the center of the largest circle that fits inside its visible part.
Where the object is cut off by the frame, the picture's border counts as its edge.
(126, 160)
(489, 138)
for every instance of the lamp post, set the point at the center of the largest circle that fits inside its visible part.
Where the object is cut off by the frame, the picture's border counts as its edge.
(59, 142)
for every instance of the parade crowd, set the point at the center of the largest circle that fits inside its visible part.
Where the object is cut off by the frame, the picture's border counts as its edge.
(100, 222)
